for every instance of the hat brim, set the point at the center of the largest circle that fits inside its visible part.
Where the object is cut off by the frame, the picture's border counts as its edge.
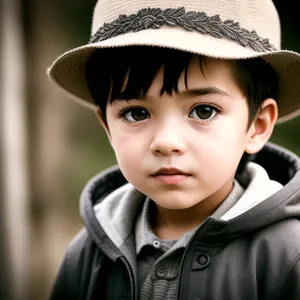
(68, 70)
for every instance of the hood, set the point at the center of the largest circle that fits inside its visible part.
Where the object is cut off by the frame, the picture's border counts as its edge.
(112, 188)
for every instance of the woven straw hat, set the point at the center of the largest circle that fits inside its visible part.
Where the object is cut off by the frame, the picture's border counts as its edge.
(228, 29)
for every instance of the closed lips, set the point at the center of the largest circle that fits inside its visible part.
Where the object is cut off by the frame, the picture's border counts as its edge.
(169, 171)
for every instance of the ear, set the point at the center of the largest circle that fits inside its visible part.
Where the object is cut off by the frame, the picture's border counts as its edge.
(103, 124)
(262, 127)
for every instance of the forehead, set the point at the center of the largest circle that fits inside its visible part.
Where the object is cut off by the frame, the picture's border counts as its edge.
(211, 70)
(201, 73)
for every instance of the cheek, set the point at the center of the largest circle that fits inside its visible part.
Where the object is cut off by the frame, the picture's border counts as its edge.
(130, 159)
(222, 151)
(128, 150)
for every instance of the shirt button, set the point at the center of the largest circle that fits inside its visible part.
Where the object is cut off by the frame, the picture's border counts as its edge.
(203, 260)
(161, 271)
(156, 244)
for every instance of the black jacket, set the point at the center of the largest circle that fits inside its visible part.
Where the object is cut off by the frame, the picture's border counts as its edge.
(255, 255)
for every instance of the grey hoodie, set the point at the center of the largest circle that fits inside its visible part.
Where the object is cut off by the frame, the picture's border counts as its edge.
(254, 254)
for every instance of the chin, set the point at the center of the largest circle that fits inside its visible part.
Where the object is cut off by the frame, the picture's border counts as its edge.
(175, 204)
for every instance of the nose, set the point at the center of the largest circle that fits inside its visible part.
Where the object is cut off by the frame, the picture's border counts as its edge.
(168, 139)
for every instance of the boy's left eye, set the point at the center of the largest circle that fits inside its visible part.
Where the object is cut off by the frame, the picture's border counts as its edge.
(203, 112)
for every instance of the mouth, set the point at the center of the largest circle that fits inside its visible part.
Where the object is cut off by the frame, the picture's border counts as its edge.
(169, 171)
(170, 176)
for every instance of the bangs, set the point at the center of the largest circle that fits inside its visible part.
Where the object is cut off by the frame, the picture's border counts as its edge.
(127, 73)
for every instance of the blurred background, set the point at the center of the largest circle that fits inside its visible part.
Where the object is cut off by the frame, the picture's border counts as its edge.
(50, 145)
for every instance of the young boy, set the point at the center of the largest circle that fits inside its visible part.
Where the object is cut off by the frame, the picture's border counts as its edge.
(200, 206)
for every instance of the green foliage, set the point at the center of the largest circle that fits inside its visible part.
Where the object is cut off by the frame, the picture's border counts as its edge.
(288, 135)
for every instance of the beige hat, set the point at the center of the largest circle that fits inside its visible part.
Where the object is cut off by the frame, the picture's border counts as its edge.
(228, 29)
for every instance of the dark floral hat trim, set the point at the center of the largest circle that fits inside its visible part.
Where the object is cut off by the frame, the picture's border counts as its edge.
(155, 18)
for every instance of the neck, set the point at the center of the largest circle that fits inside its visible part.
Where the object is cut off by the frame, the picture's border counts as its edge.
(172, 224)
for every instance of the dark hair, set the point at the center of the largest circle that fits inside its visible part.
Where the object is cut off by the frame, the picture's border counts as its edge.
(107, 69)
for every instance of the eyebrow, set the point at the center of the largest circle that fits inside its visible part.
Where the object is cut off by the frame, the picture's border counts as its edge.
(204, 91)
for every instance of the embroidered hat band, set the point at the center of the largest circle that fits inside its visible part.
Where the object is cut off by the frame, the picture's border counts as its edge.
(191, 21)
(228, 29)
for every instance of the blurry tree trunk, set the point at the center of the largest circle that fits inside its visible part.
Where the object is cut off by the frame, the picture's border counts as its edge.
(49, 125)
(4, 282)
(14, 164)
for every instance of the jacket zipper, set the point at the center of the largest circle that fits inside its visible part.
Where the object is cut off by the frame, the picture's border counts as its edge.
(130, 277)
(183, 257)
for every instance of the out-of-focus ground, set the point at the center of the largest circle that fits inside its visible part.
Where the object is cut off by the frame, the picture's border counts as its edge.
(50, 145)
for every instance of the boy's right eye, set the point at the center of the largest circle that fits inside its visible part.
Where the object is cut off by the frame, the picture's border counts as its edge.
(135, 114)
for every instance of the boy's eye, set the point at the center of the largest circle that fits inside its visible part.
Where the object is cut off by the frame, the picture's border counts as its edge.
(135, 114)
(203, 112)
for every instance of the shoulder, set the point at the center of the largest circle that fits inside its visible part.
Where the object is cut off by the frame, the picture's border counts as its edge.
(76, 268)
(81, 245)
(80, 255)
(279, 257)
(285, 233)
(279, 241)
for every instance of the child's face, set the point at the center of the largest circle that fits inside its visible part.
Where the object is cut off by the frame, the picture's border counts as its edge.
(200, 131)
